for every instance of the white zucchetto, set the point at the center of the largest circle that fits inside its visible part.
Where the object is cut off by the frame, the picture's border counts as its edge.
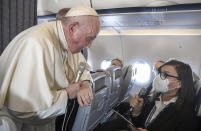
(81, 10)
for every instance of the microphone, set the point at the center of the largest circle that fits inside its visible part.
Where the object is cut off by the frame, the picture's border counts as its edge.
(72, 102)
(142, 93)
(81, 68)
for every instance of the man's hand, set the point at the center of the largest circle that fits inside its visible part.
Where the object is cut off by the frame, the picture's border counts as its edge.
(105, 71)
(85, 95)
(73, 89)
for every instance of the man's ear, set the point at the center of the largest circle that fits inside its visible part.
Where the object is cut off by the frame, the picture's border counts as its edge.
(179, 84)
(72, 27)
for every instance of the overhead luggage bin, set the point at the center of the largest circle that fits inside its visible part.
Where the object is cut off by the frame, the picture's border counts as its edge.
(105, 4)
(45, 7)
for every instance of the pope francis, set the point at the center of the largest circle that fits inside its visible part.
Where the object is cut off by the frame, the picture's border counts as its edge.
(39, 66)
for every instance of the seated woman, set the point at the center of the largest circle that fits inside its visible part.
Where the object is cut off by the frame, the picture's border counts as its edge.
(172, 109)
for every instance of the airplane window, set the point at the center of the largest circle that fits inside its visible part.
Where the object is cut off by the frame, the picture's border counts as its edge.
(105, 64)
(142, 73)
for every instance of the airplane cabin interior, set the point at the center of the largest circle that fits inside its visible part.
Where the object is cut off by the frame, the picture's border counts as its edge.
(138, 32)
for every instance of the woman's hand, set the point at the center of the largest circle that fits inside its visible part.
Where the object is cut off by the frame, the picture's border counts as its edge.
(132, 128)
(136, 103)
(141, 129)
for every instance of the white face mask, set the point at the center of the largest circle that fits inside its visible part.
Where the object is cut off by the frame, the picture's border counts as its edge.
(160, 85)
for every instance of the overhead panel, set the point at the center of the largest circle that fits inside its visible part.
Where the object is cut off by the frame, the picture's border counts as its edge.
(46, 7)
(153, 20)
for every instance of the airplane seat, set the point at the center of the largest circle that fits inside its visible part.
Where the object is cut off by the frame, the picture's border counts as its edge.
(125, 81)
(6, 123)
(89, 117)
(116, 73)
(197, 87)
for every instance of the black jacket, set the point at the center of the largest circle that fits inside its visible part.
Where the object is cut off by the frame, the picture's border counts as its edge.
(169, 119)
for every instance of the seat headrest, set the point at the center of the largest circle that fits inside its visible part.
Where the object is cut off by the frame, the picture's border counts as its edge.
(126, 76)
(115, 71)
(197, 88)
(195, 77)
(100, 80)
(113, 68)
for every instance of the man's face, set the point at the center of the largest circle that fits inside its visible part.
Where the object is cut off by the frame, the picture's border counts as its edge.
(156, 66)
(117, 63)
(84, 34)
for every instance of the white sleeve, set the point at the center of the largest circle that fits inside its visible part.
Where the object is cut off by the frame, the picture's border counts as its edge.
(58, 108)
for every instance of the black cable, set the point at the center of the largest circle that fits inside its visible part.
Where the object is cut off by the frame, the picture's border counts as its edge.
(91, 4)
(70, 114)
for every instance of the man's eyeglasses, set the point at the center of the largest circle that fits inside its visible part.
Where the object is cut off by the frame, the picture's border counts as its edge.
(164, 75)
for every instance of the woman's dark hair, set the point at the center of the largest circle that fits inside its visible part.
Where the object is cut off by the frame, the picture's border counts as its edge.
(186, 92)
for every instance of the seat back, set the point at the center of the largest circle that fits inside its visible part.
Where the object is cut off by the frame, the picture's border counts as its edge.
(6, 123)
(197, 87)
(115, 72)
(125, 81)
(88, 117)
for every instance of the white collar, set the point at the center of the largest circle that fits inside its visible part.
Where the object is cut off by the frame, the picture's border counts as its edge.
(62, 38)
(165, 103)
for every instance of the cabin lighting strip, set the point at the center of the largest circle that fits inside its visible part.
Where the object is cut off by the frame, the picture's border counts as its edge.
(162, 32)
(108, 32)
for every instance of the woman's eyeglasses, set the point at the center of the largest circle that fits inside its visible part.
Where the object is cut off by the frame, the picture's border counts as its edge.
(164, 75)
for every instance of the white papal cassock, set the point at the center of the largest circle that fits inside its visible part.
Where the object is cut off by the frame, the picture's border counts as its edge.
(34, 70)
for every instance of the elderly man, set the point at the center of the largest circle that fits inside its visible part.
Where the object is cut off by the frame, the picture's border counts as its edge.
(115, 62)
(39, 66)
(61, 13)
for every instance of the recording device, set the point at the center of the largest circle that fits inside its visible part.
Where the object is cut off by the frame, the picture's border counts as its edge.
(142, 93)
(81, 68)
